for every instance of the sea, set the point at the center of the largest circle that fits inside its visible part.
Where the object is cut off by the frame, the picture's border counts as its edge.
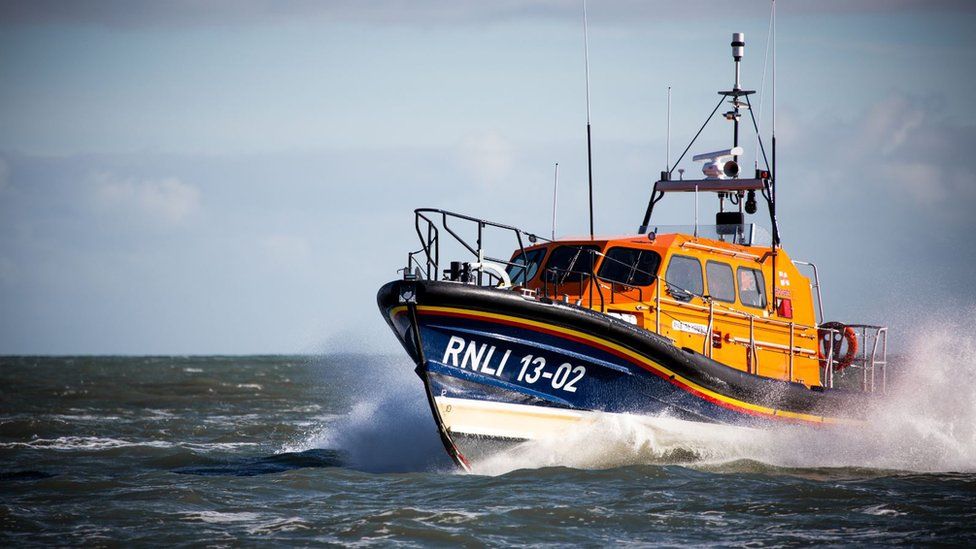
(341, 449)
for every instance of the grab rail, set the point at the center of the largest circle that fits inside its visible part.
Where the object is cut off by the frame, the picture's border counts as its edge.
(428, 231)
(425, 262)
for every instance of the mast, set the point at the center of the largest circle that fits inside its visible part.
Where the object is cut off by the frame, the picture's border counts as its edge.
(555, 190)
(667, 159)
(773, 169)
(589, 146)
(721, 168)
(738, 48)
(772, 179)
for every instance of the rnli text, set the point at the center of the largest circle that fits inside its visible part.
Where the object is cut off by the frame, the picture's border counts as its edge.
(478, 357)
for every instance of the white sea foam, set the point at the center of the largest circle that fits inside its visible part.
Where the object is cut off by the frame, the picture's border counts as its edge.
(926, 423)
(880, 511)
(84, 417)
(216, 517)
(289, 524)
(157, 415)
(106, 443)
(389, 427)
(83, 443)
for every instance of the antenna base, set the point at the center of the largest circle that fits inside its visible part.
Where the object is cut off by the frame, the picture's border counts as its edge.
(736, 93)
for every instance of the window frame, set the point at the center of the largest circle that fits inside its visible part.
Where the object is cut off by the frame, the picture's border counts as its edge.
(604, 261)
(731, 277)
(760, 284)
(701, 276)
(570, 278)
(544, 250)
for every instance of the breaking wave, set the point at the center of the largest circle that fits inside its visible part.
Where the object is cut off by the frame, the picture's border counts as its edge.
(926, 423)
(388, 429)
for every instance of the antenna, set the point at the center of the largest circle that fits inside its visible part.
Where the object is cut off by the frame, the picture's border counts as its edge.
(667, 164)
(773, 182)
(774, 74)
(738, 50)
(555, 190)
(773, 170)
(762, 84)
(589, 147)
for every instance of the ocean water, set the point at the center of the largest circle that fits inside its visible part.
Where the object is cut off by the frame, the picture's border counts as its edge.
(341, 449)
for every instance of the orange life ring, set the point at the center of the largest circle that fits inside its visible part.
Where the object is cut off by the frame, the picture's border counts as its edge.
(832, 336)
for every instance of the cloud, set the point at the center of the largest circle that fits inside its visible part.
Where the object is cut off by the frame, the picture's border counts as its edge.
(189, 13)
(488, 157)
(901, 152)
(886, 127)
(167, 201)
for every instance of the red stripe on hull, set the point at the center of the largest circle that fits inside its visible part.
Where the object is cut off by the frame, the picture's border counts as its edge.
(662, 375)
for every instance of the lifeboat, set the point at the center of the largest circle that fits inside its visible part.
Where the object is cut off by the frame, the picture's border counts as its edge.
(706, 323)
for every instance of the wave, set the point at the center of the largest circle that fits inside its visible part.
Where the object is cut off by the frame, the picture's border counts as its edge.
(248, 466)
(925, 423)
(108, 443)
(388, 429)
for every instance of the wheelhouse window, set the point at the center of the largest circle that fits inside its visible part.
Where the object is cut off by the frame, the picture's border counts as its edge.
(630, 266)
(524, 266)
(721, 283)
(569, 263)
(752, 287)
(684, 278)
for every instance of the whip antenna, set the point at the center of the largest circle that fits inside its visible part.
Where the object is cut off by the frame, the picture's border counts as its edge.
(774, 174)
(762, 84)
(589, 147)
(555, 190)
(667, 164)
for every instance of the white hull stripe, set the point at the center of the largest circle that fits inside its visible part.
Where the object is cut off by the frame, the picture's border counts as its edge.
(504, 420)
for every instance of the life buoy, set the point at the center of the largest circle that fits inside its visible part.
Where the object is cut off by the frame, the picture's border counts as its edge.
(832, 337)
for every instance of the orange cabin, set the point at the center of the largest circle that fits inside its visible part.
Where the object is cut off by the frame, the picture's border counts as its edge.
(718, 298)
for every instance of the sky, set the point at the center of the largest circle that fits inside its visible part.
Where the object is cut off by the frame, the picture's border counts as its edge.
(239, 177)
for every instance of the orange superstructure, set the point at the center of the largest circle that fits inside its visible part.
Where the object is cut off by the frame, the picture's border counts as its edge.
(714, 297)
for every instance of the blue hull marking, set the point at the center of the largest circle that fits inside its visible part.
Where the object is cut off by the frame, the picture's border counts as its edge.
(540, 345)
(464, 360)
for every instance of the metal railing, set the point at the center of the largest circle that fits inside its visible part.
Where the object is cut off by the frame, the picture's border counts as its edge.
(425, 262)
(681, 298)
(815, 285)
(868, 364)
(557, 278)
(873, 337)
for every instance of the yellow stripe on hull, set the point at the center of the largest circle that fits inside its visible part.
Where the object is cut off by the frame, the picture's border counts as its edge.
(747, 407)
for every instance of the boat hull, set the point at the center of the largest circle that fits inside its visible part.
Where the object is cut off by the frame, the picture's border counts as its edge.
(500, 368)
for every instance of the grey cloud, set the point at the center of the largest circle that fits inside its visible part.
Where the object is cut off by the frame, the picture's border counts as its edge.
(189, 13)
(146, 253)
(885, 205)
(280, 241)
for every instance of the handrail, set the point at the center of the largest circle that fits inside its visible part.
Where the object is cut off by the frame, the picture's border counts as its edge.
(426, 262)
(866, 363)
(733, 253)
(816, 285)
(430, 242)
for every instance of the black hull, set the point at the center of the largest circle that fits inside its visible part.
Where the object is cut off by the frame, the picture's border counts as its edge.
(627, 369)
